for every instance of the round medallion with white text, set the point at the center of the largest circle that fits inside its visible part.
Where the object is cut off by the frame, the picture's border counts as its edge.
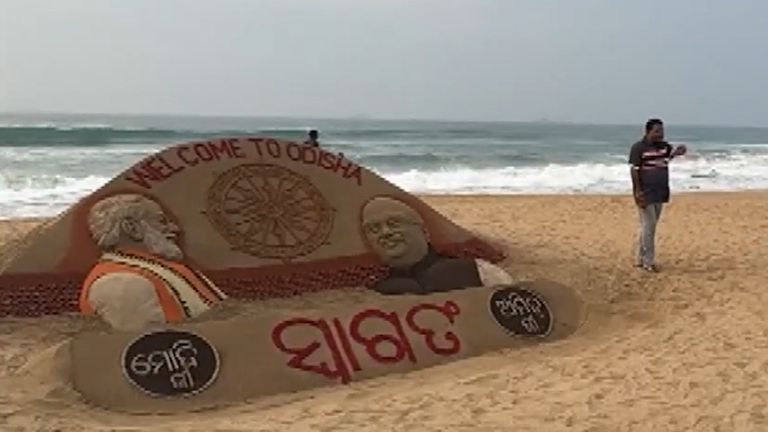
(521, 311)
(170, 363)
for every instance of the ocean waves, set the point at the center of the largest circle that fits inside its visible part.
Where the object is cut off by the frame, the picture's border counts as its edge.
(98, 135)
(43, 195)
(32, 194)
(732, 173)
(80, 135)
(47, 164)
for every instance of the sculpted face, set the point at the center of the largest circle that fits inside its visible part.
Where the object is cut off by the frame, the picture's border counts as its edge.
(136, 222)
(159, 234)
(394, 232)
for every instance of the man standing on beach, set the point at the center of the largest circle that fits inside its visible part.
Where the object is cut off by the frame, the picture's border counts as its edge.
(649, 159)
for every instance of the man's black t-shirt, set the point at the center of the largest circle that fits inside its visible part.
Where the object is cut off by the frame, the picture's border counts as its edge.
(652, 161)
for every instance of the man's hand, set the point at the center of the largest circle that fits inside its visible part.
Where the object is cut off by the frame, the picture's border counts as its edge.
(639, 198)
(680, 150)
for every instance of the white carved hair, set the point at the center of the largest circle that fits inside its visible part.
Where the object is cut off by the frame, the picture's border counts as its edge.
(105, 216)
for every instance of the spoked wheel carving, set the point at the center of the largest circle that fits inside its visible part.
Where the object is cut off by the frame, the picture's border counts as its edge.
(269, 211)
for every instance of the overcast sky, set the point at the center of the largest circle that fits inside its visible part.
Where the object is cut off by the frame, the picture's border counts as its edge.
(595, 61)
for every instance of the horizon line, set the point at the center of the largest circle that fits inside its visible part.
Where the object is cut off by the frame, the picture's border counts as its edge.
(543, 120)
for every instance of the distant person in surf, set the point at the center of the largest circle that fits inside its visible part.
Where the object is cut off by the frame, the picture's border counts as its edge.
(649, 160)
(312, 140)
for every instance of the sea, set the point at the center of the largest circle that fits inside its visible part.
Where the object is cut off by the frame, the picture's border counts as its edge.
(49, 161)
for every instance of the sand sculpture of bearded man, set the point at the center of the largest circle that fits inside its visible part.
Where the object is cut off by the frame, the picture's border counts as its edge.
(140, 279)
(397, 234)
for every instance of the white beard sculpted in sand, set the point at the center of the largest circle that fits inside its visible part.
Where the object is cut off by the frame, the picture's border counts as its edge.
(139, 280)
(157, 243)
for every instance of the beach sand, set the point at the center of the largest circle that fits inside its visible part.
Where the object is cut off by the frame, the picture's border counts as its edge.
(686, 349)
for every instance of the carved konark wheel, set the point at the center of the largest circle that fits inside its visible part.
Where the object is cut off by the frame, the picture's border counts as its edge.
(269, 211)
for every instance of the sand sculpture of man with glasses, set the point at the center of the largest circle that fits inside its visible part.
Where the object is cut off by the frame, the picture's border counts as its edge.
(396, 233)
(140, 279)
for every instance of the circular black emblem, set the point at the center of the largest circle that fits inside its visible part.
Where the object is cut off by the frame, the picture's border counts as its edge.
(170, 363)
(521, 311)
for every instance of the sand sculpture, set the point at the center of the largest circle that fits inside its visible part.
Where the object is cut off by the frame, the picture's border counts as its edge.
(396, 233)
(140, 278)
(192, 229)
(258, 217)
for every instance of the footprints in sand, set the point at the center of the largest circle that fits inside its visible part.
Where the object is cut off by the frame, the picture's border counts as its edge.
(684, 350)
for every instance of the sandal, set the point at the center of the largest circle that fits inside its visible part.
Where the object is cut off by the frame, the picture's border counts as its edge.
(651, 268)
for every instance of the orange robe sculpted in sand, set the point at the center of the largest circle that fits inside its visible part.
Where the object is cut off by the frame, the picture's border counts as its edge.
(131, 289)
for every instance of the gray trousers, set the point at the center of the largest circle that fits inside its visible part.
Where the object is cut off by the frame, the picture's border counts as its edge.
(646, 248)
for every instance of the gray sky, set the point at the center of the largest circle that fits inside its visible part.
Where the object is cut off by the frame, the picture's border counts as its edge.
(595, 61)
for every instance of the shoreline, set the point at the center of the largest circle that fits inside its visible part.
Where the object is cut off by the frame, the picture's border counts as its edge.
(529, 195)
(506, 196)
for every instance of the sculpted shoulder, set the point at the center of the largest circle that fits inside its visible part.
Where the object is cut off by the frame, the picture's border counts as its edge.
(491, 274)
(127, 301)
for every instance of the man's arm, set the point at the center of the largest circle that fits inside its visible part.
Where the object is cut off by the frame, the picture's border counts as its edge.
(635, 160)
(637, 187)
(677, 151)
